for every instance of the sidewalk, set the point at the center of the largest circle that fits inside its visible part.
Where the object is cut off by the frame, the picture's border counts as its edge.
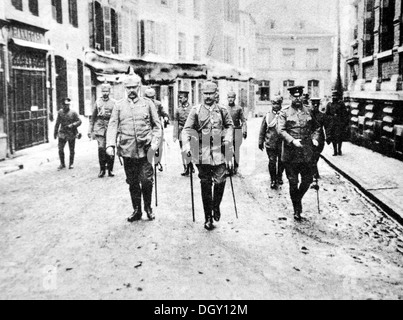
(378, 176)
(34, 157)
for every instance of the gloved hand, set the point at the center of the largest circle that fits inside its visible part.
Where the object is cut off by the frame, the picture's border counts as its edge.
(110, 151)
(154, 147)
(89, 135)
(315, 143)
(55, 136)
(297, 143)
(245, 135)
(70, 126)
(157, 153)
(261, 147)
(230, 165)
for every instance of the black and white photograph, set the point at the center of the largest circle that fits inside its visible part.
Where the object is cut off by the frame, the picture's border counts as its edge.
(210, 151)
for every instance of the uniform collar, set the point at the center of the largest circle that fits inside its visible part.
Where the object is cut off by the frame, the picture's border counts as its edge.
(133, 101)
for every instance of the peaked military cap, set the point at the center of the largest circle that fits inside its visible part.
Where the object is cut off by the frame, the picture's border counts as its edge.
(185, 92)
(106, 85)
(315, 99)
(209, 87)
(296, 91)
(131, 79)
(150, 93)
(231, 94)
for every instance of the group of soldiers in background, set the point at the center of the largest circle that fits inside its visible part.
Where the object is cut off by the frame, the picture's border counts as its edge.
(295, 136)
(210, 136)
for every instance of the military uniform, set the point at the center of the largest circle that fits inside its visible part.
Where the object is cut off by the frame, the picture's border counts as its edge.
(298, 130)
(336, 131)
(181, 115)
(208, 135)
(271, 140)
(240, 130)
(101, 115)
(134, 128)
(320, 119)
(66, 129)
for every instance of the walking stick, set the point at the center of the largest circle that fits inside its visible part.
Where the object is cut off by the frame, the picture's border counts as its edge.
(191, 190)
(316, 187)
(233, 195)
(156, 185)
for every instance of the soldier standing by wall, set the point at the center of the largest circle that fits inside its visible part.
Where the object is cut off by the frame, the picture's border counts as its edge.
(320, 119)
(338, 123)
(101, 115)
(164, 117)
(300, 134)
(240, 127)
(211, 127)
(68, 121)
(135, 131)
(181, 115)
(270, 139)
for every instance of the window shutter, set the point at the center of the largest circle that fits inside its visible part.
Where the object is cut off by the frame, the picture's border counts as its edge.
(120, 33)
(142, 38)
(91, 24)
(107, 28)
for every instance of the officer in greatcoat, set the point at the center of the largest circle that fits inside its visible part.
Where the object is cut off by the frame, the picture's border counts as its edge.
(270, 139)
(300, 134)
(338, 120)
(208, 139)
(135, 132)
(181, 115)
(98, 128)
(240, 127)
(66, 130)
(320, 119)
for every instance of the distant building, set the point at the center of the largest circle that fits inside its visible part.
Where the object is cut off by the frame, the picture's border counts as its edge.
(374, 75)
(292, 49)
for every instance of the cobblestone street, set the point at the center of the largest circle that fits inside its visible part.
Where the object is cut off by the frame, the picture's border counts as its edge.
(64, 235)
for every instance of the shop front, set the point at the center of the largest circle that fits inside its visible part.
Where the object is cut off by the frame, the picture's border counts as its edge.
(27, 114)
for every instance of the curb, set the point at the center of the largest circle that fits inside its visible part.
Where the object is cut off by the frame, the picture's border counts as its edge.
(392, 213)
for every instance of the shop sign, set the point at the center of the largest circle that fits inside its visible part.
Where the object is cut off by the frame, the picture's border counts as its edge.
(27, 35)
(28, 60)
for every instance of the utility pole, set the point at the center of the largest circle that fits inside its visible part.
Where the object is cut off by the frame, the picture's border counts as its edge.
(339, 84)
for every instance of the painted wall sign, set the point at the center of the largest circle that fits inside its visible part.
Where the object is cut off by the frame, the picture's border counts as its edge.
(27, 35)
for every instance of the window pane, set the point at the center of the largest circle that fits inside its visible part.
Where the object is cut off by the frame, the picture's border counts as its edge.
(17, 4)
(33, 7)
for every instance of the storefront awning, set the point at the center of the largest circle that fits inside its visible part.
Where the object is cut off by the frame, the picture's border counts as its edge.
(32, 45)
(150, 69)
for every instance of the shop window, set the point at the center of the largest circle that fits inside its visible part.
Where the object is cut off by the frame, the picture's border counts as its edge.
(17, 4)
(33, 7)
(313, 88)
(387, 26)
(73, 17)
(57, 11)
(369, 25)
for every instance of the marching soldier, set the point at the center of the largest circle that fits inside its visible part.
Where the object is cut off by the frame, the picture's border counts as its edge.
(338, 123)
(181, 115)
(101, 115)
(210, 128)
(320, 119)
(240, 127)
(300, 134)
(270, 139)
(135, 131)
(150, 94)
(67, 121)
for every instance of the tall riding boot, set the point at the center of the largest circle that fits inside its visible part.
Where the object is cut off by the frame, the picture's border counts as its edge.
(339, 148)
(273, 178)
(296, 202)
(102, 163)
(62, 162)
(186, 172)
(280, 171)
(335, 149)
(111, 164)
(71, 164)
(207, 197)
(135, 194)
(219, 189)
(147, 190)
